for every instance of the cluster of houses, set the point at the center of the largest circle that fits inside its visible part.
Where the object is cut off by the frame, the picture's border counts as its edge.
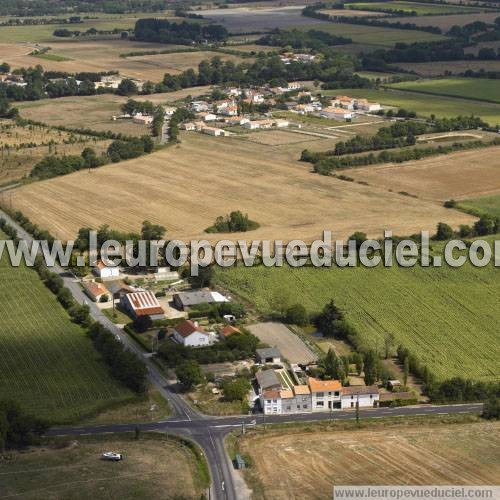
(12, 79)
(289, 57)
(282, 393)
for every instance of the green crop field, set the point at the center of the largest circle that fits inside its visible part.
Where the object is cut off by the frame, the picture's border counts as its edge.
(448, 317)
(47, 363)
(421, 9)
(467, 88)
(372, 35)
(426, 104)
(489, 205)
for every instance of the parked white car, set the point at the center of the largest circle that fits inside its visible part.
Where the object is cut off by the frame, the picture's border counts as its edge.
(112, 456)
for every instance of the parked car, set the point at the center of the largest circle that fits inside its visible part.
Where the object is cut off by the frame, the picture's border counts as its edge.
(112, 456)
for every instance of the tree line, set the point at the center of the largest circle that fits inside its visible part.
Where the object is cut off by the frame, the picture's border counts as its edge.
(328, 165)
(164, 31)
(311, 39)
(118, 150)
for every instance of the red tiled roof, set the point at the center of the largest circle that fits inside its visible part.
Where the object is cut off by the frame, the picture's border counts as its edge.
(229, 330)
(144, 303)
(186, 328)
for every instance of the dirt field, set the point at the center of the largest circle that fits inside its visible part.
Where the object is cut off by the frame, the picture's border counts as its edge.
(187, 186)
(278, 335)
(151, 467)
(104, 55)
(22, 147)
(94, 112)
(311, 463)
(459, 175)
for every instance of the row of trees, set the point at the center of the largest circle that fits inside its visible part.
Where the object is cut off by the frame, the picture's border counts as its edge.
(334, 69)
(311, 39)
(163, 31)
(53, 166)
(328, 165)
(403, 133)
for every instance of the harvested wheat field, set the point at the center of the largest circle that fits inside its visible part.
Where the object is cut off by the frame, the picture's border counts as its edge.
(104, 55)
(308, 465)
(186, 187)
(21, 147)
(454, 67)
(459, 175)
(94, 112)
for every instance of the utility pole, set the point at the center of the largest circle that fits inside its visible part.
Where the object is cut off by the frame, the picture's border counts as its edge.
(357, 411)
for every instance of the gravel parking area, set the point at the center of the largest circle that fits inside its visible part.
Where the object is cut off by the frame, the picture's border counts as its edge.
(278, 335)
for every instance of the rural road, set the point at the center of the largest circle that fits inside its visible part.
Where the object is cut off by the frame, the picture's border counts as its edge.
(209, 432)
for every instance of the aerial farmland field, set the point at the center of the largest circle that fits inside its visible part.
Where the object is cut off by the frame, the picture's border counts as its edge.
(468, 88)
(459, 175)
(312, 462)
(448, 21)
(429, 69)
(21, 147)
(372, 35)
(447, 317)
(323, 202)
(47, 362)
(153, 465)
(421, 9)
(489, 205)
(428, 104)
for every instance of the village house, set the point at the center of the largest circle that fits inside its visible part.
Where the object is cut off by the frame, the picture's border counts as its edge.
(191, 334)
(199, 106)
(214, 131)
(302, 109)
(169, 110)
(233, 91)
(297, 400)
(325, 394)
(270, 401)
(230, 110)
(142, 304)
(254, 96)
(109, 82)
(336, 113)
(369, 107)
(189, 126)
(206, 116)
(269, 355)
(294, 86)
(142, 119)
(281, 123)
(236, 120)
(95, 290)
(185, 300)
(103, 271)
(343, 101)
(366, 396)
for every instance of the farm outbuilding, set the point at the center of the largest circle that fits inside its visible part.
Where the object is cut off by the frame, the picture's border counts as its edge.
(143, 304)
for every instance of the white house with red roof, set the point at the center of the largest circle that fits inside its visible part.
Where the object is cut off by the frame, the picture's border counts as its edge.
(191, 334)
(143, 304)
(101, 270)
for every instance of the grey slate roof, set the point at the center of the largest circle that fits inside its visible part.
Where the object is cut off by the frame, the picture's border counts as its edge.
(268, 352)
(267, 379)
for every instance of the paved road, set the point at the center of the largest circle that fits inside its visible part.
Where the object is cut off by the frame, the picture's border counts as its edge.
(209, 432)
